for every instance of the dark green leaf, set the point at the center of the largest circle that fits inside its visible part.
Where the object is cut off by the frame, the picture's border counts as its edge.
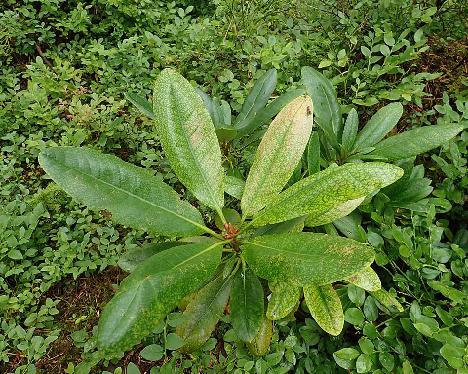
(313, 154)
(188, 138)
(306, 258)
(257, 99)
(152, 352)
(277, 155)
(132, 195)
(378, 126)
(350, 130)
(152, 291)
(326, 108)
(325, 306)
(203, 312)
(134, 257)
(328, 192)
(354, 316)
(414, 142)
(143, 105)
(247, 303)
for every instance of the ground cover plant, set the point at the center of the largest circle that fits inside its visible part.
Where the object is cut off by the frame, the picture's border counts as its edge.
(69, 71)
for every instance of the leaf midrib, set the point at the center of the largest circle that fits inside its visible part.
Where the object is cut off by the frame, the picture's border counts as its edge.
(131, 194)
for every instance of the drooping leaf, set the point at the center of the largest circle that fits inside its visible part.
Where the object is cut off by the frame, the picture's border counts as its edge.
(325, 306)
(131, 194)
(188, 137)
(234, 186)
(313, 154)
(284, 299)
(134, 257)
(326, 107)
(379, 125)
(366, 279)
(247, 304)
(267, 113)
(278, 154)
(257, 99)
(143, 105)
(414, 142)
(203, 312)
(328, 190)
(306, 258)
(260, 345)
(152, 291)
(350, 130)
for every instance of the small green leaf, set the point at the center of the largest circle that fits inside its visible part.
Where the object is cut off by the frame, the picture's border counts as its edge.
(131, 194)
(356, 294)
(379, 125)
(134, 257)
(152, 291)
(152, 352)
(313, 154)
(366, 279)
(174, 341)
(325, 306)
(354, 316)
(350, 130)
(284, 299)
(454, 355)
(328, 191)
(247, 303)
(363, 364)
(278, 154)
(203, 312)
(257, 99)
(143, 105)
(387, 360)
(306, 258)
(370, 309)
(326, 107)
(366, 345)
(132, 369)
(335, 213)
(414, 142)
(347, 353)
(188, 138)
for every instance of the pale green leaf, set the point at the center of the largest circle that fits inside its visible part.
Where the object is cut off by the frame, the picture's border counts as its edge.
(188, 137)
(327, 190)
(203, 312)
(366, 279)
(278, 154)
(387, 300)
(325, 307)
(378, 126)
(143, 105)
(152, 291)
(131, 194)
(257, 99)
(306, 258)
(335, 213)
(260, 345)
(284, 299)
(234, 186)
(414, 142)
(247, 304)
(134, 257)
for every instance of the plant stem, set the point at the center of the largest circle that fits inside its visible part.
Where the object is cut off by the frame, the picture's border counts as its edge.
(221, 215)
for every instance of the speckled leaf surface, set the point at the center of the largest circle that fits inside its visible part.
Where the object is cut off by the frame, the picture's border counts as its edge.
(203, 312)
(306, 258)
(366, 279)
(414, 142)
(379, 125)
(247, 305)
(131, 194)
(152, 291)
(326, 108)
(325, 306)
(388, 301)
(234, 186)
(284, 299)
(257, 99)
(278, 154)
(336, 212)
(188, 137)
(261, 343)
(327, 191)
